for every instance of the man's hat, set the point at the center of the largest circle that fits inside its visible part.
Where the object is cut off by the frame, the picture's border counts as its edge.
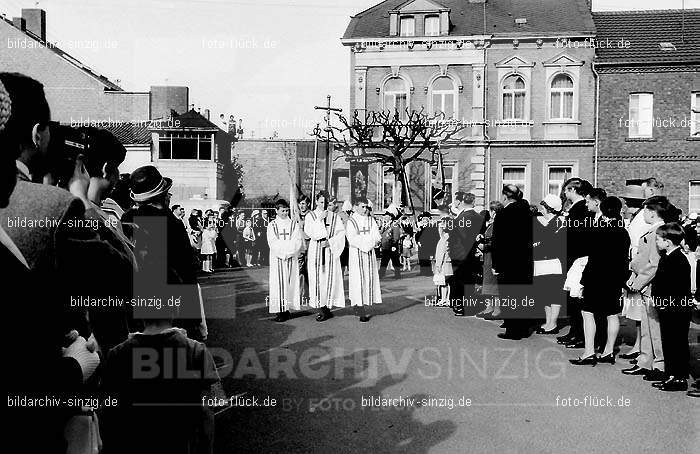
(633, 191)
(146, 183)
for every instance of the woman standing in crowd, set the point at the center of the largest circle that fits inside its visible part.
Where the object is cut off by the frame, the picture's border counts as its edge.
(548, 253)
(209, 246)
(489, 286)
(443, 265)
(603, 279)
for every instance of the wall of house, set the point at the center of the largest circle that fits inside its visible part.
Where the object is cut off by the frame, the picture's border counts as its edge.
(671, 156)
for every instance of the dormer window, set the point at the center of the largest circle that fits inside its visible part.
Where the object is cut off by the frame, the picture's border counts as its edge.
(407, 26)
(420, 18)
(432, 25)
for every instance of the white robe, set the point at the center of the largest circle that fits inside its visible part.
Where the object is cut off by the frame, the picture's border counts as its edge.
(323, 264)
(363, 235)
(283, 236)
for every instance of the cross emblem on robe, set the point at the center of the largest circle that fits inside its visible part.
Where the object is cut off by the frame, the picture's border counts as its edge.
(364, 230)
(285, 234)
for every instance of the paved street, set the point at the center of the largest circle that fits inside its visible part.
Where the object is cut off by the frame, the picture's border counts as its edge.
(455, 387)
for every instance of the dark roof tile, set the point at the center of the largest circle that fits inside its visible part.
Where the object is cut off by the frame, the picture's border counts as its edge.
(645, 30)
(543, 17)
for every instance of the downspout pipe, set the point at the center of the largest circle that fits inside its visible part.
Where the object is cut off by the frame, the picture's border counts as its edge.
(597, 122)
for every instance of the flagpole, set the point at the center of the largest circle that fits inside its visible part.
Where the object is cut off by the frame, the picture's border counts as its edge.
(313, 180)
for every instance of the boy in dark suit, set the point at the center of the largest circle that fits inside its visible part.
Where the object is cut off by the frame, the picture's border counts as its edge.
(671, 296)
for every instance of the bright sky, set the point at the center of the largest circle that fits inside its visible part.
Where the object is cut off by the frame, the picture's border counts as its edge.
(266, 61)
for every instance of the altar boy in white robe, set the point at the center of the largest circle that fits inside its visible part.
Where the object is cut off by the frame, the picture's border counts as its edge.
(363, 235)
(327, 242)
(284, 238)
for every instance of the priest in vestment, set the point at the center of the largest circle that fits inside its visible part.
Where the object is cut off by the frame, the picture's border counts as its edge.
(327, 241)
(284, 239)
(363, 235)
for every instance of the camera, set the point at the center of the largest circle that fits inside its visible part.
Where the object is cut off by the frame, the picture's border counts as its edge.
(97, 146)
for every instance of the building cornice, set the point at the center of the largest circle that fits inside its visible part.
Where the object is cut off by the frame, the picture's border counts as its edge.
(647, 158)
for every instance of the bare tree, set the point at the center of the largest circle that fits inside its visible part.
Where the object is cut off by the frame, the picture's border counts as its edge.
(393, 138)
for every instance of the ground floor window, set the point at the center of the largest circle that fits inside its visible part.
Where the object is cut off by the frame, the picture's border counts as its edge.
(694, 197)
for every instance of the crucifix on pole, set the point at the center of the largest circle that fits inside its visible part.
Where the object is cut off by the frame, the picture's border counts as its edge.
(328, 131)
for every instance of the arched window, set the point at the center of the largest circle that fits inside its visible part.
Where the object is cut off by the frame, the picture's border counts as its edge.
(562, 98)
(396, 95)
(514, 93)
(444, 97)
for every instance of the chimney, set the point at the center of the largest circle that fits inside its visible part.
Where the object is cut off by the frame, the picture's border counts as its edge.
(206, 113)
(36, 22)
(20, 23)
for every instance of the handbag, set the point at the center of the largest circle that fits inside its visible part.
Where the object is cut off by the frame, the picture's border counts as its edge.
(547, 267)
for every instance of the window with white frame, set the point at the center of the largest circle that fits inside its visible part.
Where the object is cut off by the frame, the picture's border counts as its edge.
(695, 114)
(396, 95)
(407, 26)
(516, 175)
(437, 182)
(444, 97)
(641, 115)
(694, 197)
(184, 146)
(562, 98)
(514, 93)
(556, 176)
(432, 26)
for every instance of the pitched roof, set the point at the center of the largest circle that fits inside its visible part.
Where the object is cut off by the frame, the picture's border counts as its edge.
(130, 133)
(466, 19)
(190, 119)
(645, 30)
(109, 85)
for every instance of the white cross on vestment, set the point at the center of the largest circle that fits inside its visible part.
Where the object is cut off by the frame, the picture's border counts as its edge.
(364, 230)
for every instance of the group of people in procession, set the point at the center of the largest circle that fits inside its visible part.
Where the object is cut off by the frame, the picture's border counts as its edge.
(584, 255)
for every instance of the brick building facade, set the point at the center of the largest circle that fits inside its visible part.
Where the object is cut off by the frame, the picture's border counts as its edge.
(502, 68)
(648, 91)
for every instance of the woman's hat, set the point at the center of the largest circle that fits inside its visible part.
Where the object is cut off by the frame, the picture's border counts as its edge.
(146, 183)
(552, 202)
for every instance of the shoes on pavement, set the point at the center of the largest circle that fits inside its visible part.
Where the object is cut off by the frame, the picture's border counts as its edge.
(587, 361)
(483, 314)
(510, 336)
(324, 314)
(458, 312)
(656, 375)
(694, 393)
(564, 339)
(364, 319)
(629, 355)
(674, 384)
(635, 370)
(576, 344)
(607, 359)
(543, 331)
(282, 317)
(491, 316)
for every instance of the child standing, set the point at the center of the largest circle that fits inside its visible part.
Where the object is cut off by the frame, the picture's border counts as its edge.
(249, 241)
(209, 246)
(671, 295)
(443, 265)
(406, 252)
